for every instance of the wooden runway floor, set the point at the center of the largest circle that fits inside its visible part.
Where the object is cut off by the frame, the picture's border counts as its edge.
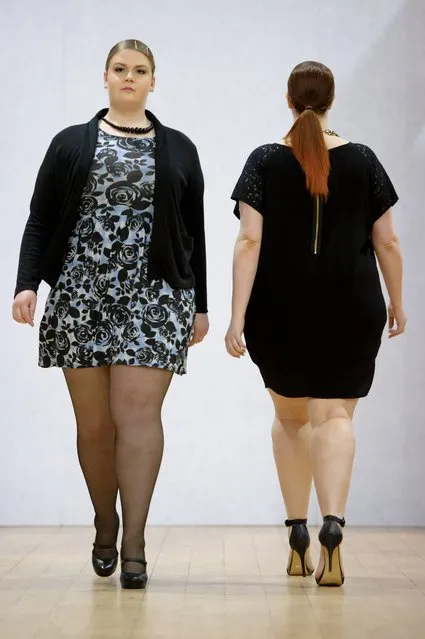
(211, 582)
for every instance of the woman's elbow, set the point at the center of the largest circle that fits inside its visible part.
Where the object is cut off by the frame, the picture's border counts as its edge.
(386, 244)
(249, 242)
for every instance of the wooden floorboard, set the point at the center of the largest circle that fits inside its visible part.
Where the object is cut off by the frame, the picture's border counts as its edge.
(212, 582)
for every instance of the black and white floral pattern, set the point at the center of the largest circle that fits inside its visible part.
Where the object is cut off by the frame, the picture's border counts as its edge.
(103, 310)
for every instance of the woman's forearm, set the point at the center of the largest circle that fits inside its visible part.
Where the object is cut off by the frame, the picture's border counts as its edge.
(245, 263)
(391, 264)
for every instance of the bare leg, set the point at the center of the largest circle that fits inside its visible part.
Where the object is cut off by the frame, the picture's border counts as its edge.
(89, 390)
(332, 452)
(137, 395)
(291, 434)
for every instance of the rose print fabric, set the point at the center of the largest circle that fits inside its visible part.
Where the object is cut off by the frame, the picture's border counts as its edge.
(103, 310)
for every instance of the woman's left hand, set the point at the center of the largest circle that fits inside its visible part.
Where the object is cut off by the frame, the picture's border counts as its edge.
(235, 345)
(200, 328)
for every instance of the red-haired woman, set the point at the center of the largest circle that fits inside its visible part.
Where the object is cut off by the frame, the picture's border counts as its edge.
(315, 213)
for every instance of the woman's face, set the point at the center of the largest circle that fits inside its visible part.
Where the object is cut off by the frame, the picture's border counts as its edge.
(129, 78)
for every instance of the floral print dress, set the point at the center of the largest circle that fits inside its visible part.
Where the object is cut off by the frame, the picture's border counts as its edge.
(103, 310)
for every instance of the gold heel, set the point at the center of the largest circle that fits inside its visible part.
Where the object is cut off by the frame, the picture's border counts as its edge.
(330, 537)
(299, 566)
(299, 560)
(332, 573)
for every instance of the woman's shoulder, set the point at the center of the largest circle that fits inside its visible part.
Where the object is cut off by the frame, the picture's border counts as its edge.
(268, 148)
(179, 138)
(73, 133)
(262, 153)
(69, 135)
(363, 155)
(363, 149)
(175, 135)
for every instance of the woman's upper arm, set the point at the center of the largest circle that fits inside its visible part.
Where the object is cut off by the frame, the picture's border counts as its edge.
(250, 185)
(191, 205)
(43, 205)
(383, 230)
(382, 192)
(251, 224)
(39, 228)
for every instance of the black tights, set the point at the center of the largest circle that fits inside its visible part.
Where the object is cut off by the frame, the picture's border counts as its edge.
(120, 444)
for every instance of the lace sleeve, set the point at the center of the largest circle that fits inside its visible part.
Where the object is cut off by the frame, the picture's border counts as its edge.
(250, 186)
(383, 193)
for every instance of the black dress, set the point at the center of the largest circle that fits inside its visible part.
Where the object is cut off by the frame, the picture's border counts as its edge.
(316, 314)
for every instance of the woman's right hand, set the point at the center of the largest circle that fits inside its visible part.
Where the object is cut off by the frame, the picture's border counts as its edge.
(24, 305)
(397, 321)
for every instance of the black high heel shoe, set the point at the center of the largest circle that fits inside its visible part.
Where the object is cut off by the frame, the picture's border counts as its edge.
(105, 567)
(133, 579)
(299, 561)
(330, 537)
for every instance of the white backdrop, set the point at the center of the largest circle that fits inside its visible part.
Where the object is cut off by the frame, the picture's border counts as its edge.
(221, 74)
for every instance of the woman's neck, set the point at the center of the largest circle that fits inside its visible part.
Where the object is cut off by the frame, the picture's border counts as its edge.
(324, 122)
(128, 117)
(323, 119)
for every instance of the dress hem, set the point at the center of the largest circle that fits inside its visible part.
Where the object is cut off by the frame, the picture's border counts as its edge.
(166, 368)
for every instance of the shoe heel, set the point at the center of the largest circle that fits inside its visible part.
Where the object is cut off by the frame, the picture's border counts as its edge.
(330, 537)
(299, 563)
(330, 545)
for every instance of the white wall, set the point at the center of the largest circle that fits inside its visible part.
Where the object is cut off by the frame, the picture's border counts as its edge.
(222, 69)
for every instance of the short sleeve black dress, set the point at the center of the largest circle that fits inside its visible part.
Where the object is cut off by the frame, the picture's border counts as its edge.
(316, 315)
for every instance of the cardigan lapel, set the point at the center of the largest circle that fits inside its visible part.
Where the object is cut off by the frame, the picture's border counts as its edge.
(78, 179)
(160, 240)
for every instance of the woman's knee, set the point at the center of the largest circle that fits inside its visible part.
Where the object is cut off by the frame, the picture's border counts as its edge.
(134, 410)
(96, 429)
(322, 411)
(137, 394)
(289, 422)
(290, 413)
(288, 427)
(89, 392)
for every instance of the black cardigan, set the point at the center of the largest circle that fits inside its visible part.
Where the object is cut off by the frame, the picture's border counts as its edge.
(177, 252)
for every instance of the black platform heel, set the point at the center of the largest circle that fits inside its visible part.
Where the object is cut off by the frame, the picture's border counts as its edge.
(299, 561)
(133, 579)
(105, 567)
(330, 537)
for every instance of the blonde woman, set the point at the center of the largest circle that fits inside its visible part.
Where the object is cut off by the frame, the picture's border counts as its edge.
(116, 228)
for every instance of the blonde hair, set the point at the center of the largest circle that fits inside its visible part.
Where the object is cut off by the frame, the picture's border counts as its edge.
(135, 45)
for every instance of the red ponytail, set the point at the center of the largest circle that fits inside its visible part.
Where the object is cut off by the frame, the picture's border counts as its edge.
(311, 89)
(308, 145)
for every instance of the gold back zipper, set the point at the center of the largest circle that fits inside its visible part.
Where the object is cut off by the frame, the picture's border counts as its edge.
(317, 223)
